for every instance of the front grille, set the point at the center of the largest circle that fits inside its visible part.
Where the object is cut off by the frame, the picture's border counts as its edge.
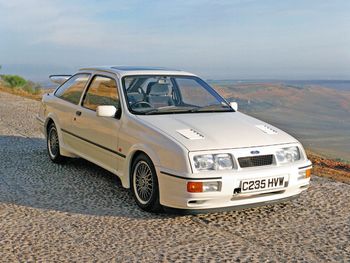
(253, 161)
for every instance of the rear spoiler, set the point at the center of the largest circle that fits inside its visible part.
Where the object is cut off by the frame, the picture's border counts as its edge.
(59, 79)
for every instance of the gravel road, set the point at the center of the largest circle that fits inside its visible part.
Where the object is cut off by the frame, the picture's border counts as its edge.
(80, 212)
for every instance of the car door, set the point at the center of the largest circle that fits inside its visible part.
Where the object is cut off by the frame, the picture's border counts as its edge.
(65, 108)
(98, 136)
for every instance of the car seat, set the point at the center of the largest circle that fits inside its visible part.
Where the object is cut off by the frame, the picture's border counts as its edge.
(158, 94)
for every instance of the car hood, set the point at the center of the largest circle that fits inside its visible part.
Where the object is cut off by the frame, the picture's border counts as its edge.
(221, 130)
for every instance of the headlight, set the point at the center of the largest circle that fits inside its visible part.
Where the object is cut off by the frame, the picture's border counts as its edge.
(288, 155)
(204, 162)
(223, 161)
(207, 162)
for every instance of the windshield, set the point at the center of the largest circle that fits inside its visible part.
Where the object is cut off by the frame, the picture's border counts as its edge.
(171, 94)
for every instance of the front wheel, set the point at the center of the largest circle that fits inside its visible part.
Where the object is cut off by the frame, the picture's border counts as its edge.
(145, 184)
(53, 145)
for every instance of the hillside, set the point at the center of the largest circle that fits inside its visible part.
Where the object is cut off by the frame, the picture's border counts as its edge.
(22, 90)
(318, 116)
(329, 168)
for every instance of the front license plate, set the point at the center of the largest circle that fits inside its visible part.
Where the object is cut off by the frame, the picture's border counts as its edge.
(262, 184)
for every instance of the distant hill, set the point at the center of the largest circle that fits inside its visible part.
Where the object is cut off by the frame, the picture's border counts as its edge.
(332, 84)
(318, 116)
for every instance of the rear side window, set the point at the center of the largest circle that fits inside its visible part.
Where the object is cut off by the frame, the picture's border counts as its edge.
(72, 89)
(102, 91)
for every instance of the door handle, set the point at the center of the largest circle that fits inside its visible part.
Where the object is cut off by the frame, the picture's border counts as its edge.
(78, 113)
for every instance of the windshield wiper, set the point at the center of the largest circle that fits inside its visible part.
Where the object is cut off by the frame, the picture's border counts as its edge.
(212, 108)
(169, 110)
(172, 109)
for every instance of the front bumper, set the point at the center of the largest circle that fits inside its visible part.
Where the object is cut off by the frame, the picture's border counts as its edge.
(227, 208)
(173, 189)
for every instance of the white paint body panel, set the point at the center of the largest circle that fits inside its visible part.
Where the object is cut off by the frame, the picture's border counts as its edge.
(170, 140)
(221, 130)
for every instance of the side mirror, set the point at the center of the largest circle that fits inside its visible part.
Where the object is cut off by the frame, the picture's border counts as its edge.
(106, 111)
(234, 105)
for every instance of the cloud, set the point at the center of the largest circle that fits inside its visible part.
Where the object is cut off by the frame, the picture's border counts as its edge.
(200, 34)
(60, 23)
(133, 25)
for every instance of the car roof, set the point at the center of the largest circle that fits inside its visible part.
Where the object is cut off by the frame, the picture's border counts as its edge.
(137, 70)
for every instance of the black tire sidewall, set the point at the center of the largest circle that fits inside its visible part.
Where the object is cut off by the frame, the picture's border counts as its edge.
(153, 204)
(58, 158)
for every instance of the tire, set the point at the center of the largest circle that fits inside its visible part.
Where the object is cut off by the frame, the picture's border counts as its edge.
(144, 184)
(53, 145)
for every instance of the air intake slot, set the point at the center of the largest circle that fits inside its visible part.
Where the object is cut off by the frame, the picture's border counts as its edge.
(266, 129)
(191, 134)
(253, 161)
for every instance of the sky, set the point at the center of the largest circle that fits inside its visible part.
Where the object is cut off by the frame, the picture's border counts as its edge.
(228, 39)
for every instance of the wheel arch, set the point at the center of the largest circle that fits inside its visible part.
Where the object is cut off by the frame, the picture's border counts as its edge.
(133, 153)
(48, 123)
(51, 119)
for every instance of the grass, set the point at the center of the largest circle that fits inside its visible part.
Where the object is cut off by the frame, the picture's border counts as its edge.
(19, 86)
(22, 92)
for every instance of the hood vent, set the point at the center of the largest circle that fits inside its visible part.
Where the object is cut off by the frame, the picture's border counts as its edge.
(266, 129)
(191, 134)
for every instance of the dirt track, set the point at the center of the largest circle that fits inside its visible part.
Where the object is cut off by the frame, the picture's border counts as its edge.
(80, 212)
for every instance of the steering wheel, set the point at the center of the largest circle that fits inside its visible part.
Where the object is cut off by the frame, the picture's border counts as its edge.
(139, 103)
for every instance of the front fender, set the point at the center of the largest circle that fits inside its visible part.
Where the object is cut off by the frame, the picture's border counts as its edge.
(134, 149)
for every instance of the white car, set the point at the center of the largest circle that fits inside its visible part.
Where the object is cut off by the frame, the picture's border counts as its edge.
(172, 139)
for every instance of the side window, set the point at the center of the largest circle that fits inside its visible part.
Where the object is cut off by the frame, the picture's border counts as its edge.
(102, 91)
(72, 89)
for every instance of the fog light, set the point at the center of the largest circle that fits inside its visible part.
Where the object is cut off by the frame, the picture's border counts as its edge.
(211, 186)
(195, 187)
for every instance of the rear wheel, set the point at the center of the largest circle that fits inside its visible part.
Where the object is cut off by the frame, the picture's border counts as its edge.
(53, 145)
(145, 184)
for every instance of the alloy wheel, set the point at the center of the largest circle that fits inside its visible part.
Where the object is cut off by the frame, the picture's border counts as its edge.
(53, 143)
(143, 182)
